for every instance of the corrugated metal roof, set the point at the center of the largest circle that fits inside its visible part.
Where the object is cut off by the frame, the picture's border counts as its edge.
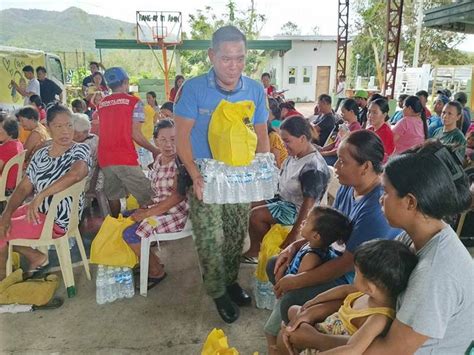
(458, 17)
(276, 45)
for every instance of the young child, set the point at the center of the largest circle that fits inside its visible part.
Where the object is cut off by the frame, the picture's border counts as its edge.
(366, 308)
(322, 227)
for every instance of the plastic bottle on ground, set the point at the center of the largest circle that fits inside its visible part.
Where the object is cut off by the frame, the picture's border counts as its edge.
(100, 285)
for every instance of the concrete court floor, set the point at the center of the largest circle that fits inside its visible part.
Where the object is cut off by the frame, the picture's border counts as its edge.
(175, 318)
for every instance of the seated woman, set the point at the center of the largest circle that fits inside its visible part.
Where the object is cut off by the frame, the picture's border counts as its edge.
(450, 133)
(97, 80)
(29, 120)
(303, 180)
(170, 209)
(377, 117)
(412, 129)
(349, 111)
(52, 169)
(358, 169)
(82, 134)
(10, 146)
(434, 314)
(277, 147)
(288, 110)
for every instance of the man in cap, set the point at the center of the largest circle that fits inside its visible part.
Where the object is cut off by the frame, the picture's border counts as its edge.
(121, 116)
(361, 97)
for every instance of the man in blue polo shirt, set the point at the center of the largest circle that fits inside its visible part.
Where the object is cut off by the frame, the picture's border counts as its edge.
(219, 229)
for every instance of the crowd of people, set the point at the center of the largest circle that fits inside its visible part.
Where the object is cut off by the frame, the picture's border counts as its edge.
(378, 272)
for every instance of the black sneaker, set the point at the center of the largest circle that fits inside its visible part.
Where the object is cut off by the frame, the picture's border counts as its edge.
(239, 295)
(227, 309)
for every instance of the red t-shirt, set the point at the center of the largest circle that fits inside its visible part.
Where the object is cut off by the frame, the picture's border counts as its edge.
(7, 151)
(173, 93)
(270, 90)
(115, 125)
(386, 135)
(427, 113)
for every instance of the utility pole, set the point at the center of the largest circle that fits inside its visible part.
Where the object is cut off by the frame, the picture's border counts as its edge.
(416, 53)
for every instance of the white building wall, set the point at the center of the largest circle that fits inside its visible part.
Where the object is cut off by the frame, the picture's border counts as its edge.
(303, 55)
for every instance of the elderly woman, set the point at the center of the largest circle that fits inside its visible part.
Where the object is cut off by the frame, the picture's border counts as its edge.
(169, 210)
(358, 169)
(303, 180)
(52, 169)
(82, 134)
(9, 147)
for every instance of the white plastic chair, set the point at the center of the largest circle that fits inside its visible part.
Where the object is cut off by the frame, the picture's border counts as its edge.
(145, 251)
(61, 243)
(18, 159)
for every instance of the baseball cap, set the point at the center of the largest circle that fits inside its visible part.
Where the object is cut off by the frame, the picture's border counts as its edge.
(445, 92)
(114, 76)
(362, 94)
(443, 98)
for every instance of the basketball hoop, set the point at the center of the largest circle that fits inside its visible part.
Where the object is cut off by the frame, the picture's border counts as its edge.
(160, 29)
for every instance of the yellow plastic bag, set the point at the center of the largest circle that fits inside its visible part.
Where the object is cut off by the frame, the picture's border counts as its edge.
(13, 290)
(232, 138)
(216, 344)
(108, 246)
(131, 203)
(270, 246)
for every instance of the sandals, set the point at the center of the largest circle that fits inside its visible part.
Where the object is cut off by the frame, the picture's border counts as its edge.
(56, 302)
(38, 271)
(152, 281)
(248, 260)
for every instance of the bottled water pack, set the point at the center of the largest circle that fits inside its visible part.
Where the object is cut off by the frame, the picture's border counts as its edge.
(114, 283)
(239, 184)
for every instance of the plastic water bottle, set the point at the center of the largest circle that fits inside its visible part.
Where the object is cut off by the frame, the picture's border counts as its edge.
(100, 285)
(129, 288)
(110, 287)
(119, 289)
(269, 296)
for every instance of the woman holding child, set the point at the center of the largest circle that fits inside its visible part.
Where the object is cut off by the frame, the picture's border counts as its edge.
(358, 169)
(434, 314)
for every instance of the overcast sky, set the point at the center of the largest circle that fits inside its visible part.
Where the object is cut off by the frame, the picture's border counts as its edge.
(305, 13)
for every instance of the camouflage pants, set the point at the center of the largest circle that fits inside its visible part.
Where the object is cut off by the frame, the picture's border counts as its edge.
(219, 232)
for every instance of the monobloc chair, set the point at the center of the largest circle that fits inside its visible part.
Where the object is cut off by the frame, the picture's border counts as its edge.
(61, 243)
(145, 251)
(18, 159)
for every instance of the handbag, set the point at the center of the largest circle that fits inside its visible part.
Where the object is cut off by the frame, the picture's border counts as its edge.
(109, 248)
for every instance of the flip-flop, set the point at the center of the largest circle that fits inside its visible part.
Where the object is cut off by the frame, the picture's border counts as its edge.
(249, 260)
(56, 302)
(38, 272)
(153, 281)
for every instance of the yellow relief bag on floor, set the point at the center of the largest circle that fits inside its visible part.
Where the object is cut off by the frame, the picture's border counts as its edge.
(38, 292)
(216, 344)
(270, 246)
(232, 138)
(108, 246)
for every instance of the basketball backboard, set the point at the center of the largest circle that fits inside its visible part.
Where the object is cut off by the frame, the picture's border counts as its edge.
(159, 27)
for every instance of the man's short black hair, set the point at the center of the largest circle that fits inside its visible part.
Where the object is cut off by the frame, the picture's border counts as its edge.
(423, 93)
(266, 75)
(41, 68)
(28, 69)
(10, 126)
(94, 63)
(227, 34)
(325, 98)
